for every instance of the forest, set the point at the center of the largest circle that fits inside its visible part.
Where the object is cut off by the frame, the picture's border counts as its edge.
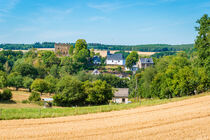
(144, 48)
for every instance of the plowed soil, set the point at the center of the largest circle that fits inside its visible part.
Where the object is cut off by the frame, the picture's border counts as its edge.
(187, 119)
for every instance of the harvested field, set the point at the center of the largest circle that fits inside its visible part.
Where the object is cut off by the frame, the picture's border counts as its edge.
(103, 53)
(187, 119)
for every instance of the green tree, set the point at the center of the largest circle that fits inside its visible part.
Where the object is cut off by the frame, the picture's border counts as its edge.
(71, 50)
(80, 44)
(202, 43)
(39, 85)
(34, 97)
(98, 92)
(27, 81)
(15, 80)
(131, 59)
(3, 79)
(69, 92)
(51, 81)
(82, 57)
(26, 70)
(5, 95)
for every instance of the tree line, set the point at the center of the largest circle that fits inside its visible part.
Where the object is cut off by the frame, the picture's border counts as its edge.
(144, 48)
(183, 74)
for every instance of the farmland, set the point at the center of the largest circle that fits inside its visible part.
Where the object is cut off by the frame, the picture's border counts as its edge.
(177, 120)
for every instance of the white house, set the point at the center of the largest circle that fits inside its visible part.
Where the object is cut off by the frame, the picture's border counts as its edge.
(115, 59)
(121, 96)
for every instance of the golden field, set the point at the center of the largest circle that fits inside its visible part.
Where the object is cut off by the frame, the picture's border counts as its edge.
(186, 119)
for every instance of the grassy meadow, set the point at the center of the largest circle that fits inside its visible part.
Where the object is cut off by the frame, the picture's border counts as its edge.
(18, 110)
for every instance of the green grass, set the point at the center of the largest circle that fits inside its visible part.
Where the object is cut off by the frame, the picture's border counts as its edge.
(27, 113)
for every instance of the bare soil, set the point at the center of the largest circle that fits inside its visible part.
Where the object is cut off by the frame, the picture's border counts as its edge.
(187, 119)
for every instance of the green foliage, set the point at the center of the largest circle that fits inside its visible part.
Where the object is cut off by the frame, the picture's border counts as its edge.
(40, 85)
(98, 92)
(202, 43)
(161, 54)
(131, 59)
(69, 92)
(114, 81)
(26, 70)
(80, 44)
(3, 79)
(34, 97)
(49, 58)
(144, 48)
(27, 81)
(51, 82)
(71, 50)
(5, 95)
(15, 80)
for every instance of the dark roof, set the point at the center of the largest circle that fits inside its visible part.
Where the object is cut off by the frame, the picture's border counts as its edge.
(121, 92)
(96, 58)
(118, 56)
(146, 60)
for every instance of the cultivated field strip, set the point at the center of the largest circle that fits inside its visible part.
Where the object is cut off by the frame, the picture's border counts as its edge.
(187, 119)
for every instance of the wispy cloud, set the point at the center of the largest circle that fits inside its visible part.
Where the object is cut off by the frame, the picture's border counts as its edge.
(108, 7)
(7, 5)
(98, 18)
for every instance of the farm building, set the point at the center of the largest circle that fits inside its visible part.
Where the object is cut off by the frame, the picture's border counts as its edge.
(145, 62)
(115, 59)
(121, 96)
(62, 49)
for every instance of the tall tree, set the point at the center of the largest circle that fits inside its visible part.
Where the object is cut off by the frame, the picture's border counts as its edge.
(15, 80)
(202, 43)
(131, 59)
(80, 44)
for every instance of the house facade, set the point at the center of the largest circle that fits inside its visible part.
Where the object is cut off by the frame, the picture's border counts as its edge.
(62, 49)
(121, 96)
(115, 59)
(145, 62)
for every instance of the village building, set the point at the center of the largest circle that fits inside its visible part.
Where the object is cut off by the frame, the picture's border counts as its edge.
(115, 59)
(62, 49)
(121, 96)
(96, 60)
(134, 68)
(145, 62)
(96, 72)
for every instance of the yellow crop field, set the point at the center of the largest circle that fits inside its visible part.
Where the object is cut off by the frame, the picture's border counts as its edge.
(186, 119)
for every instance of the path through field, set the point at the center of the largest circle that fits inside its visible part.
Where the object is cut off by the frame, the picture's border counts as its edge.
(188, 119)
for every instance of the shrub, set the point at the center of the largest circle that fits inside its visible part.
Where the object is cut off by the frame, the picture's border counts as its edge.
(25, 101)
(34, 97)
(6, 95)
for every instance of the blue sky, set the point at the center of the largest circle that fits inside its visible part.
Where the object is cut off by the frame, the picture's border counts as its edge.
(101, 21)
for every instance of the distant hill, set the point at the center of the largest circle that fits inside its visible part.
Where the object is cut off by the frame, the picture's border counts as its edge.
(144, 48)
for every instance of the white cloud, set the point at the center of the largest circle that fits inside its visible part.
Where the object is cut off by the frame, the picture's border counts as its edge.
(105, 7)
(98, 18)
(7, 5)
(108, 7)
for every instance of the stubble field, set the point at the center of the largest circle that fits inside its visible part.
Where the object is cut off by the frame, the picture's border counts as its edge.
(187, 119)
